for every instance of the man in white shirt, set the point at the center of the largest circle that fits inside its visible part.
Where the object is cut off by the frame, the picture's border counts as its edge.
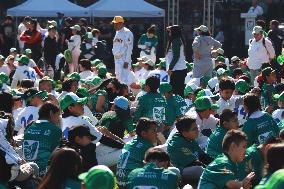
(260, 51)
(122, 49)
(255, 8)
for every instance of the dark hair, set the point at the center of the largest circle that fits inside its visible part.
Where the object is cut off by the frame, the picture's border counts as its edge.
(8, 17)
(65, 163)
(27, 83)
(152, 29)
(236, 72)
(84, 21)
(233, 136)
(67, 113)
(260, 23)
(85, 63)
(27, 18)
(153, 83)
(275, 157)
(67, 84)
(207, 33)
(222, 65)
(156, 154)
(252, 102)
(5, 173)
(281, 134)
(184, 123)
(226, 115)
(144, 124)
(274, 23)
(175, 34)
(68, 20)
(225, 84)
(6, 104)
(34, 23)
(44, 110)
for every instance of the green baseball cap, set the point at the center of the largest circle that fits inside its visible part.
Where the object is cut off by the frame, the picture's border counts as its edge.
(32, 92)
(165, 87)
(150, 62)
(89, 35)
(46, 78)
(83, 92)
(242, 86)
(28, 51)
(276, 181)
(204, 103)
(2, 57)
(4, 78)
(189, 66)
(24, 60)
(279, 97)
(267, 71)
(235, 58)
(96, 62)
(98, 177)
(71, 98)
(13, 49)
(142, 83)
(220, 59)
(221, 71)
(189, 89)
(76, 27)
(16, 93)
(280, 59)
(220, 51)
(96, 81)
(102, 70)
(135, 65)
(162, 63)
(208, 93)
(74, 75)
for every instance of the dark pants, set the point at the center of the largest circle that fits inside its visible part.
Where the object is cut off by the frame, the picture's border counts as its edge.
(177, 81)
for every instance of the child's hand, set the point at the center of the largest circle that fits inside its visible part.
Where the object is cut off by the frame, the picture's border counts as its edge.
(247, 181)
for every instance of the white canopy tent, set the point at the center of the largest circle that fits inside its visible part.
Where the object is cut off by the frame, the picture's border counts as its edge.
(48, 8)
(125, 8)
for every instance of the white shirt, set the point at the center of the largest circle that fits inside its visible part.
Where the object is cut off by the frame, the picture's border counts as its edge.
(123, 44)
(161, 74)
(23, 72)
(229, 104)
(25, 116)
(86, 73)
(212, 83)
(5, 69)
(71, 121)
(139, 73)
(188, 77)
(258, 10)
(258, 54)
(180, 65)
(74, 43)
(277, 115)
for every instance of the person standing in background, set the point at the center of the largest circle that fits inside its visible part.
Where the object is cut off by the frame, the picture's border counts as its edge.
(74, 45)
(122, 49)
(255, 8)
(7, 35)
(22, 28)
(175, 59)
(148, 44)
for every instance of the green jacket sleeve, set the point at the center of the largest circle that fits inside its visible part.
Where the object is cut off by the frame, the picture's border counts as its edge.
(176, 44)
(139, 110)
(248, 130)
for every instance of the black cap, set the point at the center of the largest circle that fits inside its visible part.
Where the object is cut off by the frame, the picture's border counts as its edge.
(79, 131)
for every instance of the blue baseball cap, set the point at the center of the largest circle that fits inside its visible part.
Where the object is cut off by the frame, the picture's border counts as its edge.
(121, 102)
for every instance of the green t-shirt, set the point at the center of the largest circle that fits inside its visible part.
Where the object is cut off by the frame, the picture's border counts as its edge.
(253, 162)
(72, 184)
(258, 130)
(94, 99)
(40, 139)
(176, 107)
(150, 42)
(153, 106)
(111, 121)
(131, 158)
(183, 152)
(267, 93)
(152, 177)
(218, 173)
(214, 143)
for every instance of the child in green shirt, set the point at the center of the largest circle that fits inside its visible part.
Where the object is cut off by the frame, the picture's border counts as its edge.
(223, 171)
(176, 106)
(184, 151)
(155, 173)
(268, 89)
(228, 121)
(133, 152)
(259, 125)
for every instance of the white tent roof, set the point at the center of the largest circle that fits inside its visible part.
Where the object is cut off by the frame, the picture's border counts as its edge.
(48, 8)
(125, 8)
